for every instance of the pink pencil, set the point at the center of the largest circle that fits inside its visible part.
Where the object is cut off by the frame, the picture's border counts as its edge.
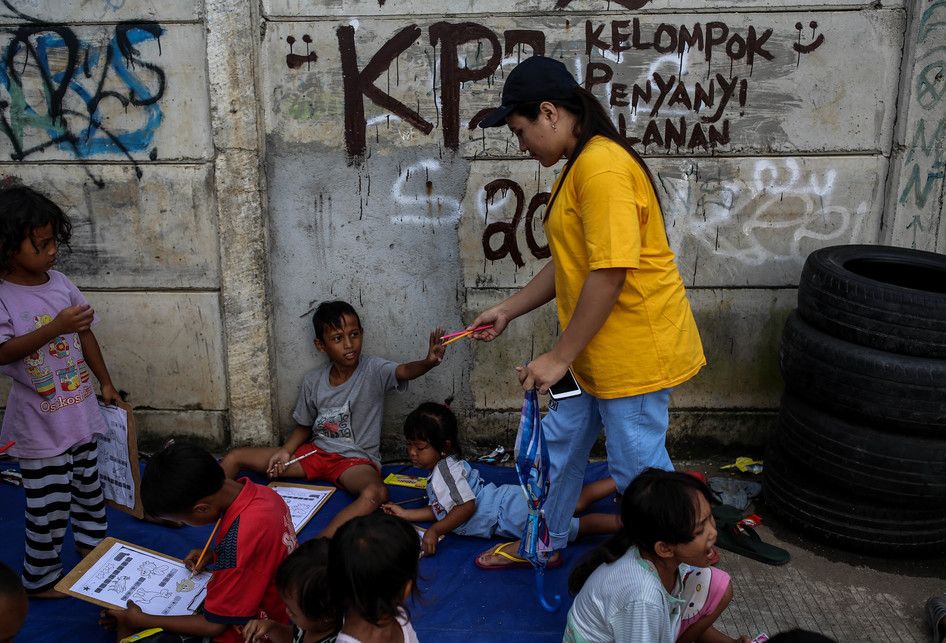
(7, 445)
(466, 332)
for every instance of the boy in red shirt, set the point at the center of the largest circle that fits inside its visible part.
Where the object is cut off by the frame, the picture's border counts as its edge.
(184, 482)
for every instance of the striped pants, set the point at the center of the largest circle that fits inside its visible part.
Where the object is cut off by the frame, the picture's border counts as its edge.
(59, 489)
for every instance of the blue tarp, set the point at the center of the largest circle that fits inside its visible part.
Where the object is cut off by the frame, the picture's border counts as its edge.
(457, 601)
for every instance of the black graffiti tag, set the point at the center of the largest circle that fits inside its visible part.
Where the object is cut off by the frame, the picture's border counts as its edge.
(295, 61)
(450, 37)
(358, 84)
(509, 245)
(811, 46)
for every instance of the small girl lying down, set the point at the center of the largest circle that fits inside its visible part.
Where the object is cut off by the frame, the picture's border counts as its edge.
(461, 502)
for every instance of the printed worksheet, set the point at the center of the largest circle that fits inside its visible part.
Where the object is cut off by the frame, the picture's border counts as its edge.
(304, 500)
(118, 459)
(120, 572)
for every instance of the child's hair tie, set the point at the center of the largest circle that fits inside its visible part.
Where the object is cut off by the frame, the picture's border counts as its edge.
(448, 401)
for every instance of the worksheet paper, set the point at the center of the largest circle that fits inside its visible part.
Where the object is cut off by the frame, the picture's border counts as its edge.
(116, 459)
(157, 584)
(304, 501)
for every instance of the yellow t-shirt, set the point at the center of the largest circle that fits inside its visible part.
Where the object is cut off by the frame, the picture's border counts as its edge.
(607, 216)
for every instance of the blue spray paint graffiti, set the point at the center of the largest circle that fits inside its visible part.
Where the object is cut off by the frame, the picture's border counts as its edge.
(66, 68)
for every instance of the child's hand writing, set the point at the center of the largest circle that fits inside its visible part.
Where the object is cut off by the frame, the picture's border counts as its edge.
(277, 463)
(393, 509)
(74, 319)
(257, 630)
(435, 348)
(190, 561)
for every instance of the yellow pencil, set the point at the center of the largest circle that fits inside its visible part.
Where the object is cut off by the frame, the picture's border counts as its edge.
(460, 336)
(141, 635)
(204, 551)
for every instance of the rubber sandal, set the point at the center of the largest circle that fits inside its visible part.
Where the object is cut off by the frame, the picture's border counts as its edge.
(515, 562)
(935, 613)
(743, 540)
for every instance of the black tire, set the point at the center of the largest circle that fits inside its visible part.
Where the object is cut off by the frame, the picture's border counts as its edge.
(862, 461)
(891, 299)
(847, 522)
(884, 390)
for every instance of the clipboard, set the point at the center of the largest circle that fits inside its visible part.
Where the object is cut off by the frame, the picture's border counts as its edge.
(302, 511)
(96, 574)
(112, 473)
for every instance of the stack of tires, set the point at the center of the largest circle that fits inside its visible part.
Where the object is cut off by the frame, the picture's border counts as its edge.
(859, 456)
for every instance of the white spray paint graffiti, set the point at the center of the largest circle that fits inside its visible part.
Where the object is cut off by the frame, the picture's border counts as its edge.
(736, 219)
(438, 209)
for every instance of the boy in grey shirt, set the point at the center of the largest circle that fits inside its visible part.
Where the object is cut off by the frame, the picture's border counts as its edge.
(338, 415)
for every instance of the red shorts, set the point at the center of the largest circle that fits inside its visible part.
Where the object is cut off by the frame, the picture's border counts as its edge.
(327, 466)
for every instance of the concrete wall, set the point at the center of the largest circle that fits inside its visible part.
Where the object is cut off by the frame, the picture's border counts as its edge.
(232, 164)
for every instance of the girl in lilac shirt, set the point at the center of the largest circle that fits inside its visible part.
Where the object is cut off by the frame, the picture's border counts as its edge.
(48, 350)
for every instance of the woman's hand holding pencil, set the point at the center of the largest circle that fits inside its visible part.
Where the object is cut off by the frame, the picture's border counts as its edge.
(490, 324)
(460, 334)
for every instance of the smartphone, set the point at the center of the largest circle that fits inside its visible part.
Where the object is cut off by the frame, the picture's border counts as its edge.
(565, 387)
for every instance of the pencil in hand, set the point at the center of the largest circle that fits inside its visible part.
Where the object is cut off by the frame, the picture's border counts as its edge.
(272, 470)
(200, 558)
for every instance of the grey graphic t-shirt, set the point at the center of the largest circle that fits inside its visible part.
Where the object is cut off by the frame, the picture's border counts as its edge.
(346, 419)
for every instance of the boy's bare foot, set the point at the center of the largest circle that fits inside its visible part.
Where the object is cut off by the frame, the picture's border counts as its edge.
(48, 593)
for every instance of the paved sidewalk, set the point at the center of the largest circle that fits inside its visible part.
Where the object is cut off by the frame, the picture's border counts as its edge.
(845, 597)
(848, 597)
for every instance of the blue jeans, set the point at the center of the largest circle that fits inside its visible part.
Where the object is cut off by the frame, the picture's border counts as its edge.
(502, 511)
(635, 438)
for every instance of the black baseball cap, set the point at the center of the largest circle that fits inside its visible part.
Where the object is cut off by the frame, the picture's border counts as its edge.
(533, 80)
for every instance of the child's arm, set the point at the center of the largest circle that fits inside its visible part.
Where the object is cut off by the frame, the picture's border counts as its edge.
(412, 370)
(263, 629)
(133, 618)
(411, 515)
(454, 518)
(299, 436)
(74, 319)
(93, 357)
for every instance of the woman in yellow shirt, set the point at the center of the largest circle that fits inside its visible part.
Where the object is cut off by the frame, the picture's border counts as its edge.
(627, 329)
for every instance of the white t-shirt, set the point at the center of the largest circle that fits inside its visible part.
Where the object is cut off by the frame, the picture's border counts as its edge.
(410, 636)
(625, 602)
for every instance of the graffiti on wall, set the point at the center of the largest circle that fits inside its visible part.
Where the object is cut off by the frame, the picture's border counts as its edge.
(84, 98)
(500, 238)
(766, 218)
(671, 106)
(925, 160)
(772, 214)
